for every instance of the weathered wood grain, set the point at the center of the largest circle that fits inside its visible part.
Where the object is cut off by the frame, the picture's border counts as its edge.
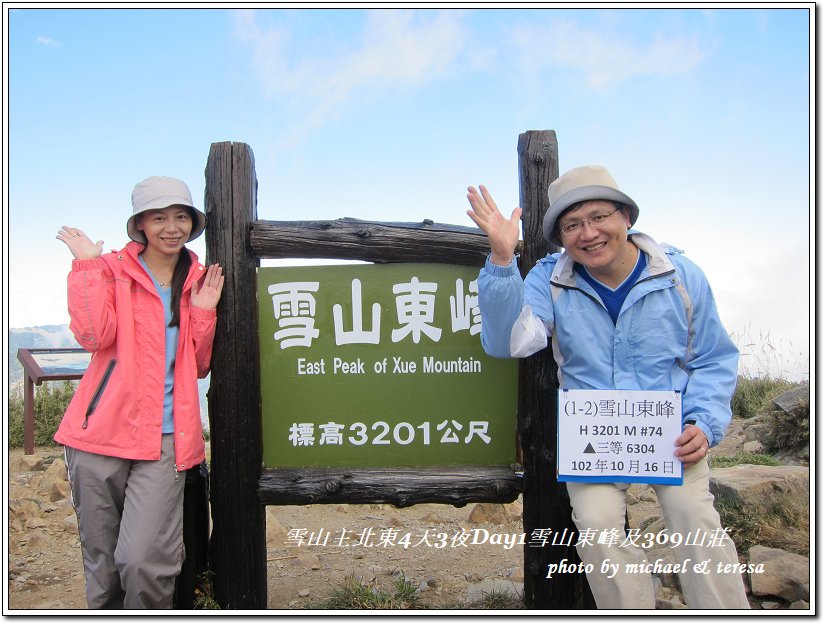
(402, 487)
(237, 553)
(352, 239)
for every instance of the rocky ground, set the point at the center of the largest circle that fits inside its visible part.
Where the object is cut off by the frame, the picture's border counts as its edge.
(310, 549)
(46, 570)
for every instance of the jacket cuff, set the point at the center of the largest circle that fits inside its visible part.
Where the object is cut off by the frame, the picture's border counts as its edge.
(87, 264)
(496, 270)
(705, 428)
(202, 313)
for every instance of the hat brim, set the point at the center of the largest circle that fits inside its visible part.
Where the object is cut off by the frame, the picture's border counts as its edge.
(580, 194)
(136, 235)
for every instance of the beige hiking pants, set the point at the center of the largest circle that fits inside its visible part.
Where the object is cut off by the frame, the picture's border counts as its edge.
(689, 512)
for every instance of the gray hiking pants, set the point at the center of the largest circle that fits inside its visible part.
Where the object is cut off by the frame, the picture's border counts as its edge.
(130, 515)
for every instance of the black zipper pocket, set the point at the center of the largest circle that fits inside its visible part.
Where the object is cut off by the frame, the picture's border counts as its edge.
(99, 392)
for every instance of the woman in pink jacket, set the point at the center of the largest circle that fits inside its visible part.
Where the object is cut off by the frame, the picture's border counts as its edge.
(147, 315)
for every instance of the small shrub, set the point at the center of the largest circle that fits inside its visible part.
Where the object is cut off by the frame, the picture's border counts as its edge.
(494, 599)
(788, 432)
(498, 600)
(405, 591)
(355, 594)
(204, 592)
(50, 402)
(753, 394)
(15, 426)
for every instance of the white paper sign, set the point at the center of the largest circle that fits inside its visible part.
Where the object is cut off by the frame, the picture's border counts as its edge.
(621, 436)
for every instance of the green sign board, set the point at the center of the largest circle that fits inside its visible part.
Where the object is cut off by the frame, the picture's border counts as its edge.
(380, 365)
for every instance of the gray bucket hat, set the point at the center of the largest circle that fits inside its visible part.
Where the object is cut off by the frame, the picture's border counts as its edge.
(156, 193)
(582, 184)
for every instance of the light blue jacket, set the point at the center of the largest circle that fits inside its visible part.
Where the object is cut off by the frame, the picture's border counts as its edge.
(668, 335)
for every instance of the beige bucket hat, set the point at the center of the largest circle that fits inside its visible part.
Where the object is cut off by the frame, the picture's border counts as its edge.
(156, 193)
(582, 184)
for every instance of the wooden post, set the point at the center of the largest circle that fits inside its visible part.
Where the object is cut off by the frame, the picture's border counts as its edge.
(28, 416)
(546, 503)
(35, 375)
(237, 554)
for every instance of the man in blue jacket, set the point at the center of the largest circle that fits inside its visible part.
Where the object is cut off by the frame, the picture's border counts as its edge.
(625, 313)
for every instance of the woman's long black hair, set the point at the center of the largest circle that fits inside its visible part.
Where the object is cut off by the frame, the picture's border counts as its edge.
(184, 262)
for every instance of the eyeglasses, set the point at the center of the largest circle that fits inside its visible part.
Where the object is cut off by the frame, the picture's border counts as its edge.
(595, 221)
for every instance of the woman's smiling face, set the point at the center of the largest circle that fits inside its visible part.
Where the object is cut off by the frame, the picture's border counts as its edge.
(166, 230)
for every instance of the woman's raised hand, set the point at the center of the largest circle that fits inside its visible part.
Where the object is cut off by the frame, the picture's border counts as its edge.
(503, 233)
(208, 294)
(79, 244)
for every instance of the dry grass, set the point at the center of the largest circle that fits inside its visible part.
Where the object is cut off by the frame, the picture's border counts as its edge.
(764, 357)
(786, 525)
(355, 594)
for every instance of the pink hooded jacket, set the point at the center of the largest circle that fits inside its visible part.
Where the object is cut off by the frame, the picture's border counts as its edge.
(117, 315)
